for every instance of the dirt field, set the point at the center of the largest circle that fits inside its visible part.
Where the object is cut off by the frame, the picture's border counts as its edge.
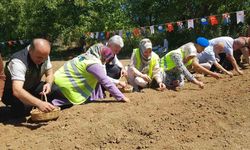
(216, 117)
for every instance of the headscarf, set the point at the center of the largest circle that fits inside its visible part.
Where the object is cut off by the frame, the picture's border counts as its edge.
(107, 54)
(100, 52)
(143, 46)
(190, 52)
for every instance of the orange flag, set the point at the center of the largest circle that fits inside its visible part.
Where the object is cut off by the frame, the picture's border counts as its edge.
(213, 20)
(136, 32)
(170, 27)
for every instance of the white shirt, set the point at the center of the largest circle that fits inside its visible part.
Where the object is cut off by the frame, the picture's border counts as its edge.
(18, 69)
(227, 41)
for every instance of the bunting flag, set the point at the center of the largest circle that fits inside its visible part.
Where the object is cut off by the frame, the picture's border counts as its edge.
(204, 21)
(165, 43)
(113, 33)
(160, 28)
(190, 23)
(152, 29)
(213, 20)
(10, 43)
(92, 35)
(107, 35)
(240, 16)
(120, 33)
(136, 18)
(136, 32)
(170, 27)
(2, 45)
(180, 25)
(143, 31)
(13, 43)
(21, 42)
(226, 18)
(96, 35)
(102, 36)
(128, 34)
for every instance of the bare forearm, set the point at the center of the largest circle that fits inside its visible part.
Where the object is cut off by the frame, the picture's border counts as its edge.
(136, 72)
(201, 69)
(27, 98)
(233, 62)
(49, 76)
(217, 65)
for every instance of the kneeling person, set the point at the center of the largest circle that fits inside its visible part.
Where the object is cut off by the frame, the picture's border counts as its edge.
(175, 64)
(24, 71)
(78, 78)
(144, 68)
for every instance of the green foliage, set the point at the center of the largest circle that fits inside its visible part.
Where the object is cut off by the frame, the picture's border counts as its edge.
(67, 20)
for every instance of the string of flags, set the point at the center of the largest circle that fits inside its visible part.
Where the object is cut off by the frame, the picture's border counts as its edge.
(12, 43)
(212, 20)
(141, 31)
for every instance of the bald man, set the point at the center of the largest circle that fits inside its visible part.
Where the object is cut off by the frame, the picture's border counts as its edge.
(224, 44)
(24, 71)
(242, 47)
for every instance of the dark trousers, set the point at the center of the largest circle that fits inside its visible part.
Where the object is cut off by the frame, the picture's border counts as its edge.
(224, 62)
(113, 71)
(20, 109)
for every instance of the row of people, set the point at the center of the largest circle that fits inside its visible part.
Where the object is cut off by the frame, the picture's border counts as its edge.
(200, 55)
(84, 78)
(73, 83)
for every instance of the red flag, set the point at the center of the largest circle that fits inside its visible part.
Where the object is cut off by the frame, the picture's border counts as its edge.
(107, 35)
(136, 32)
(213, 20)
(170, 27)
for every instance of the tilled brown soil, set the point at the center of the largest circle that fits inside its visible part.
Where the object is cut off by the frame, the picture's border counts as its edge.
(216, 117)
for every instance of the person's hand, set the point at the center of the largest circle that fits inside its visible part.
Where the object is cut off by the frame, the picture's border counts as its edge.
(230, 74)
(45, 106)
(162, 86)
(46, 89)
(146, 77)
(215, 75)
(122, 84)
(125, 99)
(201, 84)
(123, 73)
(240, 72)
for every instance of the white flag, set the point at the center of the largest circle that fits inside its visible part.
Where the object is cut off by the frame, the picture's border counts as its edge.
(120, 33)
(21, 42)
(190, 23)
(97, 35)
(152, 29)
(92, 35)
(240, 16)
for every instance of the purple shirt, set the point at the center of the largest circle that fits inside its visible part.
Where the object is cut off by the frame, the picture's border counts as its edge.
(99, 73)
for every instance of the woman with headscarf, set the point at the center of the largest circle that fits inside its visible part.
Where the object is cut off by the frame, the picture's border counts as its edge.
(144, 67)
(77, 78)
(114, 68)
(175, 63)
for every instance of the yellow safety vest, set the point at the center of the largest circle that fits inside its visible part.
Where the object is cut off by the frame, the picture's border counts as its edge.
(167, 63)
(74, 81)
(152, 63)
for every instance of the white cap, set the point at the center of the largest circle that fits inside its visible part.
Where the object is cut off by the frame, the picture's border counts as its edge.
(116, 39)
